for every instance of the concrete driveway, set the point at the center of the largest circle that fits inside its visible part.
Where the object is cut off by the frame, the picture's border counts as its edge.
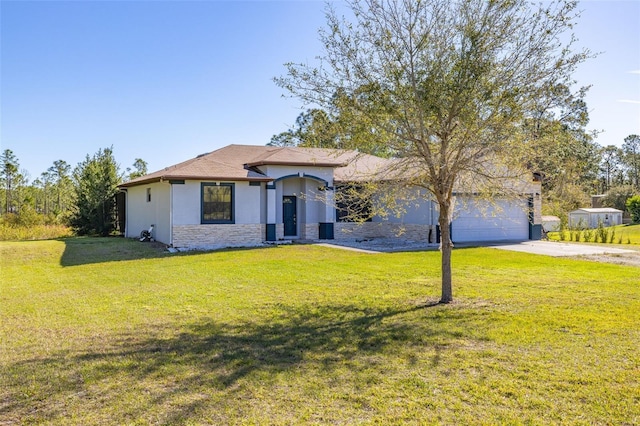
(559, 249)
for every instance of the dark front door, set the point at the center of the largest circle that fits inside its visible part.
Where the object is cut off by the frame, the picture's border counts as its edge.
(289, 215)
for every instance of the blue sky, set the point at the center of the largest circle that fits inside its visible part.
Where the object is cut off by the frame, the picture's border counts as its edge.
(167, 80)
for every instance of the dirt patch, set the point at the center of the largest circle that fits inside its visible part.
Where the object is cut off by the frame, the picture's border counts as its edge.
(628, 259)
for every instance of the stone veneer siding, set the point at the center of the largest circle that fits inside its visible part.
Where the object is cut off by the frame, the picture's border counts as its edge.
(414, 232)
(218, 235)
(537, 210)
(310, 231)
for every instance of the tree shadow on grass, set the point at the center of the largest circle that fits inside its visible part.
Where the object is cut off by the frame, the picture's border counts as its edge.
(89, 250)
(213, 366)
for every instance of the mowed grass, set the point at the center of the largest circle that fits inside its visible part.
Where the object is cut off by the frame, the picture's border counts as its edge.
(113, 331)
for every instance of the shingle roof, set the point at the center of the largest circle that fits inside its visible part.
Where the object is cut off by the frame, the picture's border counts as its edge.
(294, 156)
(206, 166)
(365, 167)
(239, 162)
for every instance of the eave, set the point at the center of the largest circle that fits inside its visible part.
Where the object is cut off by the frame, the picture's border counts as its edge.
(190, 177)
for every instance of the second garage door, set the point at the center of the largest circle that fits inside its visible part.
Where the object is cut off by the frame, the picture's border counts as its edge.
(481, 221)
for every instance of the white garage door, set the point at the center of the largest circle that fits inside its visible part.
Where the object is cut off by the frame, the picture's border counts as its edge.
(479, 221)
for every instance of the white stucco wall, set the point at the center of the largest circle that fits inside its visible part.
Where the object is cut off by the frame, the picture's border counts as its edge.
(418, 209)
(311, 203)
(314, 201)
(187, 203)
(189, 232)
(183, 221)
(251, 208)
(276, 172)
(142, 213)
(248, 208)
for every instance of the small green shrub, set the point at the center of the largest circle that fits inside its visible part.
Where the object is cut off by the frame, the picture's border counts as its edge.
(561, 235)
(602, 233)
(588, 235)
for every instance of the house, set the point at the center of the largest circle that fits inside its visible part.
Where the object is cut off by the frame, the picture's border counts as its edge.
(244, 195)
(592, 217)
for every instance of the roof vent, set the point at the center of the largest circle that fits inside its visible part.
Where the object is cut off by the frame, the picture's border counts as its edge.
(202, 155)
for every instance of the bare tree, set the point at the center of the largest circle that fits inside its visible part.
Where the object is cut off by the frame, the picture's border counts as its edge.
(451, 81)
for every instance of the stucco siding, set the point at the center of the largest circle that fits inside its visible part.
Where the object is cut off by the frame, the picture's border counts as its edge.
(277, 172)
(187, 201)
(142, 212)
(176, 211)
(311, 207)
(314, 202)
(415, 208)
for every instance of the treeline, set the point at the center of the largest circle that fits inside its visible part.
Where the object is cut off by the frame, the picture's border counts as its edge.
(80, 198)
(572, 164)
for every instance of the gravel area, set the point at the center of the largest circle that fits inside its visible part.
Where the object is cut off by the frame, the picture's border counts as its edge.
(385, 245)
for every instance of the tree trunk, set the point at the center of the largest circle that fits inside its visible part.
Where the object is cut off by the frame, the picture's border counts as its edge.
(446, 248)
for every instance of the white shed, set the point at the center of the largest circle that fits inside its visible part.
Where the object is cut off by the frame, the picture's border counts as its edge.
(551, 223)
(591, 218)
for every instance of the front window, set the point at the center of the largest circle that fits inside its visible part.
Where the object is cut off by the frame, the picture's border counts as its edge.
(217, 203)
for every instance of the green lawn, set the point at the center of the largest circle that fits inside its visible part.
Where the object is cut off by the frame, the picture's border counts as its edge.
(112, 331)
(629, 232)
